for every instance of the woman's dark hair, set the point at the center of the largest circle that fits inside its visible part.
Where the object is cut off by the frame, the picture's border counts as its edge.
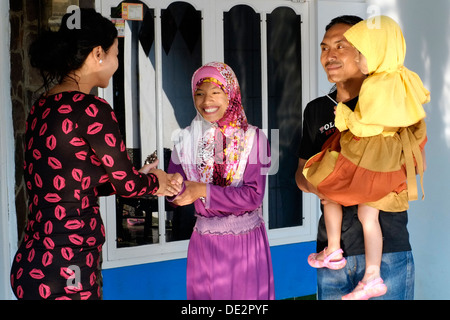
(56, 54)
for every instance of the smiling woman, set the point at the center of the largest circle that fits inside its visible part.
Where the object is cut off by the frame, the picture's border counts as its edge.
(229, 255)
(210, 101)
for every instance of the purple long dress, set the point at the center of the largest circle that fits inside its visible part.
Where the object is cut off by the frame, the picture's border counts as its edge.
(229, 254)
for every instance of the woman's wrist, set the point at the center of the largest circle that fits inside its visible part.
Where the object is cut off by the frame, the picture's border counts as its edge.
(200, 189)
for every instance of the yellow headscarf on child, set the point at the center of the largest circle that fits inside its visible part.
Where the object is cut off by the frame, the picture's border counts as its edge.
(392, 95)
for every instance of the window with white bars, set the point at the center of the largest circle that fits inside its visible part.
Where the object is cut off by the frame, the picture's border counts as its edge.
(266, 43)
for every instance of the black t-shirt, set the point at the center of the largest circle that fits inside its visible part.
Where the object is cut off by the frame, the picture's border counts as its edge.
(318, 126)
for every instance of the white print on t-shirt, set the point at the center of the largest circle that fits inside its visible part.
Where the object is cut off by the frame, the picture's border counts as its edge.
(327, 128)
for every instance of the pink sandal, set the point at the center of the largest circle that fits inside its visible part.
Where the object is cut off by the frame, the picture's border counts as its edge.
(327, 261)
(374, 288)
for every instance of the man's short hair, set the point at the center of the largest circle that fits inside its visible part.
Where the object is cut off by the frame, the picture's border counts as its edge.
(346, 19)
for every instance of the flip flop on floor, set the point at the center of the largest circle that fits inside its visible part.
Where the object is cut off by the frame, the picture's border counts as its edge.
(327, 262)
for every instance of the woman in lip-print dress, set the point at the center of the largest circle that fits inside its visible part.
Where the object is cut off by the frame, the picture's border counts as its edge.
(74, 154)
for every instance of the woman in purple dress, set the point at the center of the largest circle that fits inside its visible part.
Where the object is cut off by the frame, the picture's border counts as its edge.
(224, 162)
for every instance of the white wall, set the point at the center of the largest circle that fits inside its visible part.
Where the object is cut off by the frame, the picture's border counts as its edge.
(426, 28)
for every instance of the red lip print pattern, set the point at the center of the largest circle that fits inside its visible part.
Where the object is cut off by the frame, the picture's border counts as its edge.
(119, 175)
(78, 97)
(33, 124)
(30, 143)
(52, 197)
(51, 142)
(76, 239)
(77, 142)
(85, 202)
(85, 183)
(38, 216)
(95, 161)
(81, 155)
(65, 109)
(130, 186)
(31, 255)
(60, 212)
(110, 140)
(43, 129)
(67, 273)
(92, 110)
(74, 224)
(67, 126)
(36, 154)
(48, 243)
(46, 113)
(90, 260)
(59, 182)
(73, 146)
(94, 128)
(77, 174)
(47, 259)
(73, 289)
(92, 278)
(19, 292)
(67, 253)
(37, 274)
(48, 227)
(19, 273)
(108, 160)
(38, 180)
(44, 291)
(93, 223)
(54, 163)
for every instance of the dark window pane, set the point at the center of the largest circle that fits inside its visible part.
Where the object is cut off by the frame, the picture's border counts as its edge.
(242, 46)
(137, 219)
(182, 55)
(285, 114)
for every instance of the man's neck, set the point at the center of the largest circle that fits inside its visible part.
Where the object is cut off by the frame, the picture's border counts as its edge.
(349, 89)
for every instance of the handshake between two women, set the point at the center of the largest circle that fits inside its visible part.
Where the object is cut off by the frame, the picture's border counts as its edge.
(169, 184)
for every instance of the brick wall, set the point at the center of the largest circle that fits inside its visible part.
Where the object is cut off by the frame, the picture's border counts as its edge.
(24, 19)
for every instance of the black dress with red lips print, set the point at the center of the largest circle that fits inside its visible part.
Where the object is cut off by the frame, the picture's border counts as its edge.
(74, 153)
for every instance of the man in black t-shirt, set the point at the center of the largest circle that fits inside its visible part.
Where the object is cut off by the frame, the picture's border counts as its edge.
(397, 266)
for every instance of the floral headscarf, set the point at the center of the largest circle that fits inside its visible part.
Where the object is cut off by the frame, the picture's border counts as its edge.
(223, 76)
(216, 152)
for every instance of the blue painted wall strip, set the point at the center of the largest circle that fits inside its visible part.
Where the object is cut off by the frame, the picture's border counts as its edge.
(166, 280)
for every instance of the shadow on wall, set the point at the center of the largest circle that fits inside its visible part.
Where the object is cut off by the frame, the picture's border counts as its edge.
(428, 47)
(426, 30)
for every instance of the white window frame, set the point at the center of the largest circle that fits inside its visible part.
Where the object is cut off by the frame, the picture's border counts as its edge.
(212, 13)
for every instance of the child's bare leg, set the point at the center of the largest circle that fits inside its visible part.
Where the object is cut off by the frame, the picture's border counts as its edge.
(333, 222)
(373, 241)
